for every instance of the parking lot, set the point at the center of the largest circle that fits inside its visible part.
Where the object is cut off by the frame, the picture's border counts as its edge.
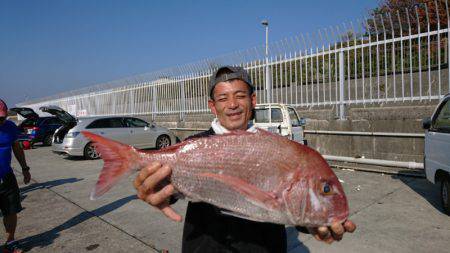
(393, 214)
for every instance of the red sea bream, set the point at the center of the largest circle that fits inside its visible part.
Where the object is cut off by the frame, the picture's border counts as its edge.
(260, 176)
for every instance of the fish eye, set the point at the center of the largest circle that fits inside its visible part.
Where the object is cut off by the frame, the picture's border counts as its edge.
(326, 189)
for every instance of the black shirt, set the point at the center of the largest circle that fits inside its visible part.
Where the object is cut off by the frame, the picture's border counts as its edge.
(206, 229)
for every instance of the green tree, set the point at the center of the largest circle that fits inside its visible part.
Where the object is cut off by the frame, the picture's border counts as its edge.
(399, 11)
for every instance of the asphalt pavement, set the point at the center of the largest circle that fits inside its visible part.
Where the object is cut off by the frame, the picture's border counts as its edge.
(393, 213)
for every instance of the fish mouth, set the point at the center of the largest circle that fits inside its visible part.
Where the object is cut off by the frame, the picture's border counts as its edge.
(341, 217)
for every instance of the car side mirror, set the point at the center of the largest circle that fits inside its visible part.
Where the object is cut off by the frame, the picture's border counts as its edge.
(302, 122)
(152, 125)
(426, 123)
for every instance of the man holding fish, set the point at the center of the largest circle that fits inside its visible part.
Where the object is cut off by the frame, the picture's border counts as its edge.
(211, 229)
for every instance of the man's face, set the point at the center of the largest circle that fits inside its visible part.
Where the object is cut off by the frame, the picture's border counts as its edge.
(232, 104)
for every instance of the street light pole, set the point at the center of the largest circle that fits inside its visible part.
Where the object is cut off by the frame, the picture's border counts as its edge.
(265, 23)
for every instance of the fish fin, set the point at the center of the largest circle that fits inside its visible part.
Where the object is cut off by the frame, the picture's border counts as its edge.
(119, 161)
(252, 192)
(263, 131)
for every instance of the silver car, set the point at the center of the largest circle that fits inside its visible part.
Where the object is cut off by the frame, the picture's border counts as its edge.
(129, 130)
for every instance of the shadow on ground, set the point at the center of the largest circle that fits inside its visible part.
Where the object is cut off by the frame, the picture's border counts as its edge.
(38, 145)
(46, 185)
(49, 184)
(430, 192)
(74, 158)
(46, 238)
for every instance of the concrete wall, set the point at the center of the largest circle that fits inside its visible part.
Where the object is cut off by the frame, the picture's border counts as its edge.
(398, 119)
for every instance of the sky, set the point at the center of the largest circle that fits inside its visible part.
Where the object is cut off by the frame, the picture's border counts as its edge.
(49, 47)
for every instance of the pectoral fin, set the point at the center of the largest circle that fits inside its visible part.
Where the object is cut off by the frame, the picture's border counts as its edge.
(248, 190)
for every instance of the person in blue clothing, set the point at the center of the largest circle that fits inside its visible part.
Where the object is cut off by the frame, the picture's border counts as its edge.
(9, 190)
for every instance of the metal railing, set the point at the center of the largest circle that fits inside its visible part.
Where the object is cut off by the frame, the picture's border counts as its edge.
(388, 58)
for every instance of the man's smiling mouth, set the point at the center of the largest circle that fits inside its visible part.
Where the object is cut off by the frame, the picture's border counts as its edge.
(234, 114)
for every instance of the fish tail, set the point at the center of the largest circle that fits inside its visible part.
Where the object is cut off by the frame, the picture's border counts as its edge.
(119, 159)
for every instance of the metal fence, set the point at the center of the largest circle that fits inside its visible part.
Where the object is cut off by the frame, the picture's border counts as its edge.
(390, 57)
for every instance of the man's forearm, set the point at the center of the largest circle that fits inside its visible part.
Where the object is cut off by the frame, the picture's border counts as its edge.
(20, 155)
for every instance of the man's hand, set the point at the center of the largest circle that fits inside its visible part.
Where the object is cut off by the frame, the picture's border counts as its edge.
(333, 233)
(26, 176)
(152, 188)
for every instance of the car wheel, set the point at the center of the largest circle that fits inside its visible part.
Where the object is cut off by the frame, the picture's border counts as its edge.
(90, 152)
(162, 141)
(47, 140)
(445, 196)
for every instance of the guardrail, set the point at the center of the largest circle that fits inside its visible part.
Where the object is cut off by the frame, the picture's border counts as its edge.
(355, 133)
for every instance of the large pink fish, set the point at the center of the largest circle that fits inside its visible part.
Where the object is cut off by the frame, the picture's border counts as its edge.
(260, 176)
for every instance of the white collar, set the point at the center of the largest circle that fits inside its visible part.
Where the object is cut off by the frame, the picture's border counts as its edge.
(219, 129)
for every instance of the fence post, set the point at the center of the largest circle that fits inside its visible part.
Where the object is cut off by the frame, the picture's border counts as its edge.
(132, 103)
(154, 97)
(341, 86)
(269, 88)
(183, 101)
(114, 104)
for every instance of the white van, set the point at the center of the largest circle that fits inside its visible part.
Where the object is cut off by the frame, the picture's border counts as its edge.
(283, 120)
(437, 149)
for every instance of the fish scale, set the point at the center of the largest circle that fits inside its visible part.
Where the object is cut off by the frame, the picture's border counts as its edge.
(260, 176)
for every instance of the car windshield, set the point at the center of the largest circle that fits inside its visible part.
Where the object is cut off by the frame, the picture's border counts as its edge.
(64, 116)
(262, 116)
(25, 112)
(442, 121)
(31, 122)
(294, 117)
(53, 121)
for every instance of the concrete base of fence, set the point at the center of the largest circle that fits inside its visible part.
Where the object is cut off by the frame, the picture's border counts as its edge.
(397, 119)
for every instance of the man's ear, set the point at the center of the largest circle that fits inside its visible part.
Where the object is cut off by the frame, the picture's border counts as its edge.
(253, 98)
(212, 106)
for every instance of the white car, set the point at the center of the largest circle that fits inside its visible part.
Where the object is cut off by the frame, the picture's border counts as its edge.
(283, 120)
(437, 149)
(129, 130)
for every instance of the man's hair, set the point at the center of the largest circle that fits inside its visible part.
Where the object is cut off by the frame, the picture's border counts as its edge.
(230, 73)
